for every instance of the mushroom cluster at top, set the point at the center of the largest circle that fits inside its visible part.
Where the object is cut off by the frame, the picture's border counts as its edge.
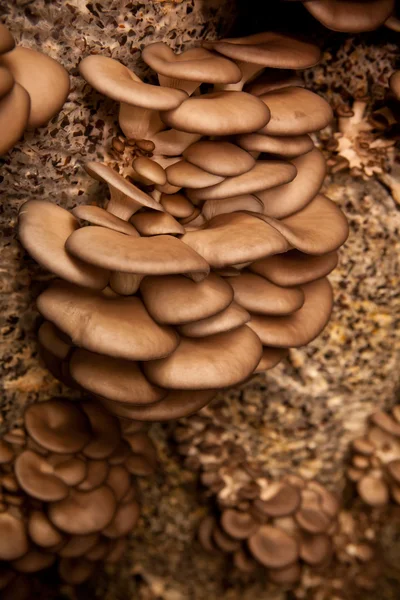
(33, 88)
(68, 492)
(290, 525)
(210, 258)
(375, 460)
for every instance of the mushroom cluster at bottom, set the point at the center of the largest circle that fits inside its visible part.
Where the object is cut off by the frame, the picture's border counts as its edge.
(291, 524)
(68, 493)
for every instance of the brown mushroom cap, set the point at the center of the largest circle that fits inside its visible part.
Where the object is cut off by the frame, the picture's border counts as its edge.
(288, 146)
(159, 255)
(218, 113)
(33, 561)
(6, 81)
(113, 378)
(300, 327)
(257, 295)
(105, 431)
(7, 42)
(13, 538)
(177, 404)
(235, 238)
(42, 532)
(45, 80)
(174, 299)
(270, 358)
(315, 549)
(119, 480)
(14, 114)
(172, 142)
(184, 174)
(352, 16)
(215, 361)
(373, 491)
(278, 500)
(78, 545)
(385, 422)
(124, 520)
(36, 477)
(119, 327)
(295, 268)
(96, 475)
(265, 174)
(247, 202)
(287, 575)
(150, 170)
(75, 571)
(157, 224)
(268, 49)
(53, 341)
(98, 216)
(394, 83)
(295, 111)
(219, 158)
(237, 524)
(111, 78)
(43, 229)
(232, 317)
(84, 512)
(195, 64)
(272, 547)
(57, 425)
(273, 79)
(294, 196)
(6, 453)
(70, 469)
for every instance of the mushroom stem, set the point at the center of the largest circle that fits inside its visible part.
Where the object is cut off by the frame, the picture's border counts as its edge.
(125, 284)
(249, 71)
(180, 84)
(121, 205)
(139, 123)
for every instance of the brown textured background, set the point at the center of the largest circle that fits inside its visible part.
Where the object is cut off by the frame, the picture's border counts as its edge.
(298, 417)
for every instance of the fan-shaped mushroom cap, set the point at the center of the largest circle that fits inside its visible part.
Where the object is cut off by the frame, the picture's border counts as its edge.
(315, 549)
(42, 532)
(45, 80)
(105, 431)
(57, 425)
(247, 202)
(113, 378)
(13, 538)
(394, 83)
(124, 520)
(111, 78)
(373, 491)
(219, 113)
(318, 228)
(287, 575)
(272, 547)
(352, 16)
(36, 477)
(288, 146)
(84, 512)
(119, 480)
(98, 216)
(232, 317)
(150, 170)
(219, 158)
(278, 500)
(34, 561)
(300, 327)
(215, 361)
(97, 472)
(295, 111)
(295, 268)
(6, 453)
(196, 65)
(235, 238)
(14, 114)
(385, 422)
(125, 198)
(237, 524)
(6, 40)
(257, 295)
(43, 229)
(292, 197)
(70, 469)
(177, 404)
(172, 142)
(78, 545)
(174, 299)
(184, 174)
(50, 338)
(160, 255)
(268, 49)
(119, 327)
(224, 541)
(6, 81)
(265, 174)
(149, 223)
(310, 517)
(270, 358)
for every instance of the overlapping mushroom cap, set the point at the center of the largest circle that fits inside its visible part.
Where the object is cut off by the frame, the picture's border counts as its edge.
(352, 16)
(68, 489)
(33, 88)
(210, 257)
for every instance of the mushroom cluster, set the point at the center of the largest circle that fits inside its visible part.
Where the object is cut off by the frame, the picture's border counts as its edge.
(210, 258)
(290, 524)
(33, 88)
(352, 16)
(67, 490)
(375, 460)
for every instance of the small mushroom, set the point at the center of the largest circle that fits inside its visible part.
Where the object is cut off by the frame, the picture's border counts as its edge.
(105, 431)
(98, 216)
(239, 525)
(119, 480)
(7, 42)
(219, 157)
(315, 549)
(373, 491)
(278, 500)
(287, 575)
(232, 317)
(247, 202)
(78, 545)
(185, 174)
(13, 538)
(172, 142)
(84, 512)
(96, 475)
(36, 477)
(272, 547)
(41, 531)
(124, 520)
(149, 170)
(287, 146)
(14, 115)
(148, 224)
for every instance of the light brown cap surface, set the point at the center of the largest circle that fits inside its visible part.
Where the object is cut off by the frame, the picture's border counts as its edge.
(43, 229)
(13, 538)
(278, 500)
(232, 317)
(14, 114)
(119, 327)
(270, 358)
(6, 81)
(42, 532)
(351, 15)
(84, 512)
(45, 80)
(150, 170)
(124, 520)
(220, 158)
(216, 361)
(237, 524)
(172, 142)
(6, 39)
(152, 223)
(36, 477)
(98, 216)
(272, 547)
(184, 174)
(288, 146)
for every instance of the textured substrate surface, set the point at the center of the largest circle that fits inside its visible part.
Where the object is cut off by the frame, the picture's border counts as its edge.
(299, 416)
